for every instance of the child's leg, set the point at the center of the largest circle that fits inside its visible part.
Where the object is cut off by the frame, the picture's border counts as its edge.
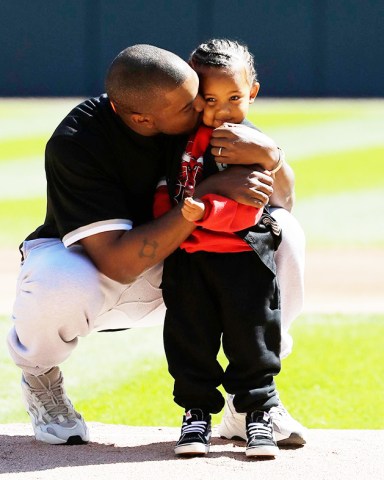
(251, 332)
(192, 331)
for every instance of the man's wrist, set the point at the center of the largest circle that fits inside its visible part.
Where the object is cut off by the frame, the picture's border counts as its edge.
(280, 161)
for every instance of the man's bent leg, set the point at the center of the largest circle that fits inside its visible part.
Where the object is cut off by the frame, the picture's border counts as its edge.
(57, 299)
(289, 257)
(139, 304)
(60, 296)
(290, 262)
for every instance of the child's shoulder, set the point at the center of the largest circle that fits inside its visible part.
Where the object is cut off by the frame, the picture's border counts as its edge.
(249, 124)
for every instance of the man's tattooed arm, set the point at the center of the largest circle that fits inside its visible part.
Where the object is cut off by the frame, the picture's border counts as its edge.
(148, 249)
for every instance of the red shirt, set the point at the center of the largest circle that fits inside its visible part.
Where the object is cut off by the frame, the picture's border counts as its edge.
(223, 216)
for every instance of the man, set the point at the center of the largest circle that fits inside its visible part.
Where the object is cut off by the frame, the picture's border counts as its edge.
(96, 262)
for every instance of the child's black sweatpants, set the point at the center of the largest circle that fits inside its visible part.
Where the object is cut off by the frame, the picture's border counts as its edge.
(228, 297)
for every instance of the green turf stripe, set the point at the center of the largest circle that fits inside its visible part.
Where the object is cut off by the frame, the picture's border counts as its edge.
(22, 147)
(18, 218)
(339, 172)
(350, 219)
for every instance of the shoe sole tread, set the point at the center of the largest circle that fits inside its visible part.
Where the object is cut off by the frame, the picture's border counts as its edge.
(293, 439)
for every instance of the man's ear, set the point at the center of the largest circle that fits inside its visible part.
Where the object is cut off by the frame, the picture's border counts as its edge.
(113, 106)
(142, 120)
(254, 91)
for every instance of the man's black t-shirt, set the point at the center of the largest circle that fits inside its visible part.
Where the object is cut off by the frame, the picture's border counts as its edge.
(101, 175)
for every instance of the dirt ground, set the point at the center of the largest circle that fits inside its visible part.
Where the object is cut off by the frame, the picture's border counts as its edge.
(345, 280)
(141, 453)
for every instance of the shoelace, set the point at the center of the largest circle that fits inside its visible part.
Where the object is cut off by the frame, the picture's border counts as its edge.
(259, 429)
(51, 396)
(195, 426)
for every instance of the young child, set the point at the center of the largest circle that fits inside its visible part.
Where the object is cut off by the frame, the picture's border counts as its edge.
(220, 285)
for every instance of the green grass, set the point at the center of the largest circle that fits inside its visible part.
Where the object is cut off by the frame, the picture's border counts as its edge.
(333, 379)
(335, 376)
(269, 114)
(347, 219)
(22, 147)
(18, 218)
(352, 170)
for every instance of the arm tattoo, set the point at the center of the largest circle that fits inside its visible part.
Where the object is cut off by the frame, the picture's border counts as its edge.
(149, 249)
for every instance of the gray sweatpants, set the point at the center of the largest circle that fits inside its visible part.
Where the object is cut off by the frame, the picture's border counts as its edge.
(62, 296)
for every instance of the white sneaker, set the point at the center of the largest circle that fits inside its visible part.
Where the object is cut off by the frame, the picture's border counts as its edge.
(232, 424)
(287, 430)
(53, 417)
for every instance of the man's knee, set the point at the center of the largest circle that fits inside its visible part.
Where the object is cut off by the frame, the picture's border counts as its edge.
(56, 289)
(57, 300)
(293, 237)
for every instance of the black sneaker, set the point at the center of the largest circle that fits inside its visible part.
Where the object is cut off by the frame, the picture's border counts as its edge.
(195, 437)
(260, 438)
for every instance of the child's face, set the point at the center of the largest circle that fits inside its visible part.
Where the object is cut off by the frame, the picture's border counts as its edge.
(227, 94)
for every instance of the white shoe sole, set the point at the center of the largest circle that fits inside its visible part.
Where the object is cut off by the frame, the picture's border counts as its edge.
(53, 440)
(75, 439)
(192, 449)
(262, 451)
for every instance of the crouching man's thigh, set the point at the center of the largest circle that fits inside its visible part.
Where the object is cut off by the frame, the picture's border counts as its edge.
(58, 298)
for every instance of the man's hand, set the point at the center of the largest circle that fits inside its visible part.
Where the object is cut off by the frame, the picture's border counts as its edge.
(242, 145)
(239, 144)
(249, 187)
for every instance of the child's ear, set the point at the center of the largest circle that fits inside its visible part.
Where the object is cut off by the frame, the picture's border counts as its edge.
(254, 91)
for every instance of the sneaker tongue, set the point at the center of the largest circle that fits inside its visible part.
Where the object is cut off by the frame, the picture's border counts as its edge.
(188, 415)
(259, 416)
(48, 378)
(194, 414)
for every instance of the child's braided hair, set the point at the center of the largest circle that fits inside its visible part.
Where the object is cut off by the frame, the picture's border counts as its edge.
(221, 53)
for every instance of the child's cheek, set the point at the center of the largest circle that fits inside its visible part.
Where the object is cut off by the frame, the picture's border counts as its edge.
(208, 118)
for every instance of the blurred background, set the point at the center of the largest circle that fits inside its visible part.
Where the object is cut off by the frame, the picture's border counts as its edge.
(302, 48)
(321, 68)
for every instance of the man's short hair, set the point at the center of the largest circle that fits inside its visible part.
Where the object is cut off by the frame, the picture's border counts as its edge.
(140, 75)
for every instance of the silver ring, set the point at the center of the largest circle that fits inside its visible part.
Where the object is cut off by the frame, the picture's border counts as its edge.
(219, 154)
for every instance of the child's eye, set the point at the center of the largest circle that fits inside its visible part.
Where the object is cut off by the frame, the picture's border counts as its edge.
(235, 97)
(210, 100)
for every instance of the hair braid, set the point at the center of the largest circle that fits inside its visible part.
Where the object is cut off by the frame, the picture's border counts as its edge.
(223, 53)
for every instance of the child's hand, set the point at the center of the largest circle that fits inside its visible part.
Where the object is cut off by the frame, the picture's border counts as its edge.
(193, 209)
